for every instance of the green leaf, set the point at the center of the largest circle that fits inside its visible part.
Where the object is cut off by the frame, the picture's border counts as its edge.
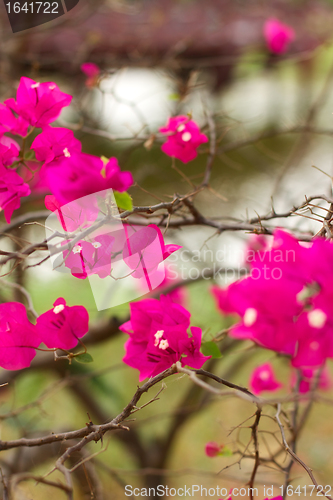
(85, 357)
(226, 452)
(123, 200)
(211, 349)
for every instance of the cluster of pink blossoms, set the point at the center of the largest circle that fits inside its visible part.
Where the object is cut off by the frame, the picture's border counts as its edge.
(158, 331)
(285, 302)
(63, 170)
(58, 328)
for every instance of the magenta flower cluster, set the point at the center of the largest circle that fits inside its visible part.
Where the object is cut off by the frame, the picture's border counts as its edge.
(60, 327)
(158, 337)
(285, 302)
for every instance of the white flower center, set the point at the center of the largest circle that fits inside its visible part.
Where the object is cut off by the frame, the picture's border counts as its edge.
(181, 127)
(186, 136)
(264, 375)
(158, 335)
(52, 87)
(77, 249)
(66, 153)
(317, 318)
(96, 244)
(35, 85)
(58, 308)
(164, 344)
(250, 316)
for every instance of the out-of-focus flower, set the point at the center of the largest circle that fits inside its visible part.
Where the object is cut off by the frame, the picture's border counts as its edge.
(82, 174)
(62, 326)
(263, 379)
(54, 143)
(213, 449)
(308, 376)
(278, 35)
(184, 138)
(159, 338)
(12, 189)
(92, 71)
(9, 151)
(38, 103)
(18, 337)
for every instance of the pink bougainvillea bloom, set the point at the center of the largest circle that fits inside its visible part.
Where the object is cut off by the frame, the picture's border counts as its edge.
(10, 123)
(159, 338)
(263, 379)
(79, 213)
(38, 103)
(18, 337)
(257, 243)
(90, 257)
(12, 189)
(54, 143)
(184, 138)
(62, 326)
(92, 71)
(278, 35)
(145, 249)
(212, 449)
(83, 174)
(9, 150)
(308, 378)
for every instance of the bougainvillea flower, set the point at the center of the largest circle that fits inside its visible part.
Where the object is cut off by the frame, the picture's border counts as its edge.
(62, 326)
(54, 143)
(92, 71)
(9, 150)
(72, 216)
(256, 243)
(38, 103)
(159, 338)
(12, 189)
(10, 123)
(263, 379)
(212, 449)
(18, 337)
(145, 249)
(278, 35)
(83, 174)
(184, 138)
(308, 377)
(90, 257)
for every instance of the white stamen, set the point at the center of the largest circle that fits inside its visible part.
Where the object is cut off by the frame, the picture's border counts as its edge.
(317, 318)
(58, 308)
(52, 87)
(77, 249)
(181, 127)
(96, 244)
(66, 153)
(250, 316)
(264, 375)
(164, 344)
(186, 136)
(35, 85)
(158, 335)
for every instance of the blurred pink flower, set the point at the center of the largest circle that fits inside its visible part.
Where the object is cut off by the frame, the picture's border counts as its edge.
(18, 338)
(308, 377)
(12, 189)
(263, 379)
(212, 449)
(38, 103)
(92, 71)
(54, 143)
(62, 326)
(10, 123)
(278, 35)
(184, 138)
